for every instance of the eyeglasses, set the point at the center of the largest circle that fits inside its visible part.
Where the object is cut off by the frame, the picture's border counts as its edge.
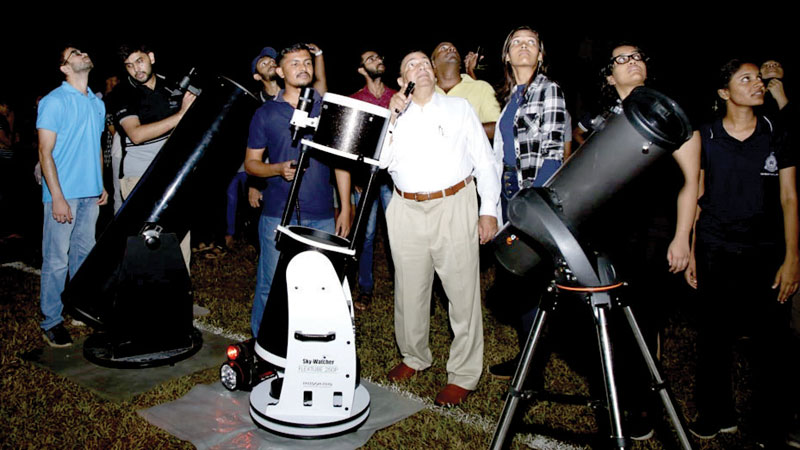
(74, 51)
(373, 58)
(623, 59)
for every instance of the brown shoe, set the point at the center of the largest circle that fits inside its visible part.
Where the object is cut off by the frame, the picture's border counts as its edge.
(401, 372)
(451, 395)
(363, 302)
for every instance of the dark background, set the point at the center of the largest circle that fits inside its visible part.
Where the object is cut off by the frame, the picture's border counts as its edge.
(685, 46)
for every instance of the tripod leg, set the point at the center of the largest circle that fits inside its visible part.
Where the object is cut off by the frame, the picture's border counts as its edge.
(614, 412)
(515, 390)
(658, 382)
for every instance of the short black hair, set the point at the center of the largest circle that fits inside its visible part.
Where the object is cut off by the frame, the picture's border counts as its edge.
(291, 49)
(361, 56)
(61, 58)
(126, 50)
(433, 52)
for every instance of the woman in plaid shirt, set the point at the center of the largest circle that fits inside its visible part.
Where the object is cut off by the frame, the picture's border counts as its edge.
(529, 138)
(533, 126)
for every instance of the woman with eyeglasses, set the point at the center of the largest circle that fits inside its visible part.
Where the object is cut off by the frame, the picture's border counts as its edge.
(644, 230)
(625, 71)
(529, 138)
(745, 263)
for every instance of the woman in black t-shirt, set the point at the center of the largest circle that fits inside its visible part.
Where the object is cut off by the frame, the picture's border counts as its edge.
(746, 242)
(625, 71)
(645, 229)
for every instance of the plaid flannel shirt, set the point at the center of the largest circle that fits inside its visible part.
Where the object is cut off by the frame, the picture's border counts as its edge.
(539, 129)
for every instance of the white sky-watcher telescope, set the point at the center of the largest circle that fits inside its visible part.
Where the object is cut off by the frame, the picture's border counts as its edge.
(307, 330)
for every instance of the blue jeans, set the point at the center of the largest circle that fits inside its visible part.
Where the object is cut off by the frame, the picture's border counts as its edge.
(64, 247)
(268, 260)
(365, 280)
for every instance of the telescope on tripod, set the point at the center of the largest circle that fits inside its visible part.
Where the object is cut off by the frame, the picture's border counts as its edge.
(543, 234)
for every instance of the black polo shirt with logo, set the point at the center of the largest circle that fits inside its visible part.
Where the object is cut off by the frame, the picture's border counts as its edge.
(741, 206)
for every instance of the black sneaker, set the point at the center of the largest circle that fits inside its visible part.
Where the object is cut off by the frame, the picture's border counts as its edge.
(504, 370)
(705, 429)
(58, 336)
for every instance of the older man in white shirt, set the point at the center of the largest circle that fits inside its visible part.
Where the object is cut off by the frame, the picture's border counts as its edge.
(436, 150)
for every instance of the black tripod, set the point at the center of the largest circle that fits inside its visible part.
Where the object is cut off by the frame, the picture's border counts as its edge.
(601, 298)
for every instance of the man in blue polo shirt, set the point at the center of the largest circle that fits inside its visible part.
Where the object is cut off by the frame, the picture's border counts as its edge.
(69, 125)
(269, 131)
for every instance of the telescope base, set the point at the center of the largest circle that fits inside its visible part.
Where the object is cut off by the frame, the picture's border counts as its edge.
(108, 350)
(294, 425)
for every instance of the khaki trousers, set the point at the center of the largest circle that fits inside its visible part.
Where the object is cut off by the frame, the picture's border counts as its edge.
(126, 185)
(438, 235)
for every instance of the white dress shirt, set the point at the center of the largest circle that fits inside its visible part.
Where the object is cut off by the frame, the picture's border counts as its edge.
(435, 146)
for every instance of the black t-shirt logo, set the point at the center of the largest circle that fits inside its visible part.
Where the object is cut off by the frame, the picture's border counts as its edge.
(771, 164)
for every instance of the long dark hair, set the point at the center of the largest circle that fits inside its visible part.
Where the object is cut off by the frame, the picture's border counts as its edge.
(504, 94)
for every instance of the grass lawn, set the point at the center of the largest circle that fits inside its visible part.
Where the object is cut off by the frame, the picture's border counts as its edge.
(43, 410)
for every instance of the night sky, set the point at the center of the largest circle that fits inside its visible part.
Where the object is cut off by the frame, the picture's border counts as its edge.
(685, 53)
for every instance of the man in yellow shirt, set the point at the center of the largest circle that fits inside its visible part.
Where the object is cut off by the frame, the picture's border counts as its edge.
(450, 81)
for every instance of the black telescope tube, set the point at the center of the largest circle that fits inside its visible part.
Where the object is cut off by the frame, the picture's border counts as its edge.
(651, 126)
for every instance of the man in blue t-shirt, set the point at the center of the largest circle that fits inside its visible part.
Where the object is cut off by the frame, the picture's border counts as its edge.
(70, 122)
(269, 131)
